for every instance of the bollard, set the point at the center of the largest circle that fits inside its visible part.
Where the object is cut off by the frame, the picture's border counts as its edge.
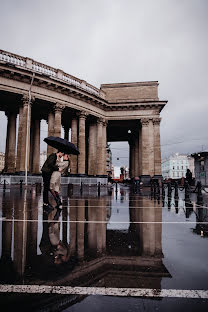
(163, 189)
(38, 187)
(116, 187)
(21, 185)
(70, 189)
(199, 193)
(98, 189)
(169, 190)
(4, 186)
(151, 188)
(186, 191)
(176, 190)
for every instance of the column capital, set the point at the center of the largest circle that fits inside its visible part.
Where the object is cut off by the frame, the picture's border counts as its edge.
(145, 121)
(25, 100)
(156, 121)
(82, 114)
(58, 107)
(102, 121)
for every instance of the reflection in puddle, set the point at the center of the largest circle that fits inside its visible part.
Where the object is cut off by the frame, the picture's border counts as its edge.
(111, 241)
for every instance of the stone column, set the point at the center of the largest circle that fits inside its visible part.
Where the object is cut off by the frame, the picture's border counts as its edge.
(81, 143)
(36, 147)
(25, 140)
(10, 142)
(151, 149)
(157, 150)
(136, 157)
(104, 146)
(57, 125)
(19, 140)
(51, 122)
(145, 150)
(92, 149)
(100, 147)
(73, 163)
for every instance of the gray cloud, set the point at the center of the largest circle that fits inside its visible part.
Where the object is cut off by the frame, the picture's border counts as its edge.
(123, 41)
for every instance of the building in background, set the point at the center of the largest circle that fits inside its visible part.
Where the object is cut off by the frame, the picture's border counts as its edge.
(201, 167)
(175, 166)
(2, 161)
(109, 165)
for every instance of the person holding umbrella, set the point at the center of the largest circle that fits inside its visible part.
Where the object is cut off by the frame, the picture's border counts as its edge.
(64, 147)
(48, 168)
(55, 182)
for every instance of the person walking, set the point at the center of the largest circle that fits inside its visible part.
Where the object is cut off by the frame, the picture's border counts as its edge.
(55, 182)
(48, 168)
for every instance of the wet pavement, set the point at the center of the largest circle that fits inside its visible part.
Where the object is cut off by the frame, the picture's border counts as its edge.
(117, 250)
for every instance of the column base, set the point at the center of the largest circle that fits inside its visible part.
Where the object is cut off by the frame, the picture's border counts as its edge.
(145, 179)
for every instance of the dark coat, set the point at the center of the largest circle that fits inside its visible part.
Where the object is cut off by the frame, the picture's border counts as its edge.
(50, 164)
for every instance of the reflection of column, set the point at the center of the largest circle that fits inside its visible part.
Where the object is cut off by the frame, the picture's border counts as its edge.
(32, 229)
(73, 162)
(97, 227)
(25, 141)
(51, 121)
(92, 228)
(36, 147)
(157, 151)
(92, 150)
(81, 143)
(19, 140)
(99, 147)
(80, 229)
(10, 142)
(101, 232)
(73, 228)
(57, 125)
(6, 228)
(104, 146)
(20, 235)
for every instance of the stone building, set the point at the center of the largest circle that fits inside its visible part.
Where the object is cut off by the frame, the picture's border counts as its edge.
(175, 166)
(33, 92)
(201, 167)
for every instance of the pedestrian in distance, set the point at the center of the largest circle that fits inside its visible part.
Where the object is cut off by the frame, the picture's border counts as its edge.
(55, 182)
(189, 176)
(48, 168)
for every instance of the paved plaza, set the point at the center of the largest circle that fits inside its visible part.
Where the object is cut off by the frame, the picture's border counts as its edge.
(118, 250)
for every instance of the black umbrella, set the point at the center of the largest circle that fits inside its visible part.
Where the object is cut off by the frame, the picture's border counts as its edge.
(62, 145)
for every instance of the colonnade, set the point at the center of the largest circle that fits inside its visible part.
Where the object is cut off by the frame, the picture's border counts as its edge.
(92, 147)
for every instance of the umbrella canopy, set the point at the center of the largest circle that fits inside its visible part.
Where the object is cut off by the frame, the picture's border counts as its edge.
(62, 145)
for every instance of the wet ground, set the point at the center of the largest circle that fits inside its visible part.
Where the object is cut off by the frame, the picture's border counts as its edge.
(120, 250)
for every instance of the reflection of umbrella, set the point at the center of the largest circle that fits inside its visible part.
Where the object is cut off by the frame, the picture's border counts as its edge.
(62, 145)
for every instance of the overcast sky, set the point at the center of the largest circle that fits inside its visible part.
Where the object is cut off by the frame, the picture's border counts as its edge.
(109, 41)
